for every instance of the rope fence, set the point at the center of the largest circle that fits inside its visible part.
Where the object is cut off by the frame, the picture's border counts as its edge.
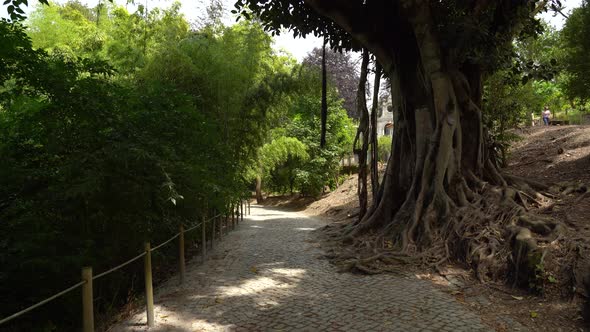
(119, 266)
(49, 299)
(229, 220)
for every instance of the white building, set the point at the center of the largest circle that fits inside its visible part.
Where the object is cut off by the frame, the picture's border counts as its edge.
(385, 117)
(384, 126)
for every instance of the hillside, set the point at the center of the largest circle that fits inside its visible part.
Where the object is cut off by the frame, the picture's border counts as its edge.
(551, 155)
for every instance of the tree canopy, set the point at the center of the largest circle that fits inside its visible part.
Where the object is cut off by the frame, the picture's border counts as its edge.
(575, 35)
(342, 72)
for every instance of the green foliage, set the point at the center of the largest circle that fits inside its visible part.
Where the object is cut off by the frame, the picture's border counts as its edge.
(279, 161)
(106, 32)
(115, 127)
(577, 52)
(294, 161)
(293, 99)
(508, 104)
(323, 166)
(65, 29)
(384, 147)
(342, 73)
(528, 82)
(537, 278)
(280, 150)
(102, 148)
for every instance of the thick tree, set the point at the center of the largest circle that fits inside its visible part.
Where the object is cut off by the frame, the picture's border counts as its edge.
(443, 193)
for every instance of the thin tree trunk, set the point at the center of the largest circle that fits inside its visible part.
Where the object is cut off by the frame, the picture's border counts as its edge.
(259, 198)
(362, 134)
(324, 115)
(373, 138)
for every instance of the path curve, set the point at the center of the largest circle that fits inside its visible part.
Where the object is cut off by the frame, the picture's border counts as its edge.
(268, 275)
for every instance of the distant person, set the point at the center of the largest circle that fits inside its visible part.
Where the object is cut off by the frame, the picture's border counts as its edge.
(546, 115)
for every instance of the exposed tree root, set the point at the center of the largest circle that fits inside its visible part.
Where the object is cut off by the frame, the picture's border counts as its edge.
(495, 231)
(443, 196)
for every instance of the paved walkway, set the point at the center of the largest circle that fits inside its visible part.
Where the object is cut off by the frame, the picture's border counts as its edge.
(268, 275)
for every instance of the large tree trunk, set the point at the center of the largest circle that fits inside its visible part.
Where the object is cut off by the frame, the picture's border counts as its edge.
(362, 136)
(442, 195)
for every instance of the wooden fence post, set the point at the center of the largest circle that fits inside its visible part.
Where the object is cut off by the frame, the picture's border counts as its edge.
(87, 301)
(181, 254)
(204, 240)
(149, 290)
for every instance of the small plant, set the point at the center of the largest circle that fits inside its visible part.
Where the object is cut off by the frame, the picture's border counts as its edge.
(537, 278)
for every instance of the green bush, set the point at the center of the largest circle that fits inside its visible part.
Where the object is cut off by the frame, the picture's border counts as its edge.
(384, 147)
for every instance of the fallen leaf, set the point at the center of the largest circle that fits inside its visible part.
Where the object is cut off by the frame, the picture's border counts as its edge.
(253, 269)
(534, 314)
(518, 297)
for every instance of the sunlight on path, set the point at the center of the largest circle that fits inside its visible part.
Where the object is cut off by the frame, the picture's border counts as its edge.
(269, 275)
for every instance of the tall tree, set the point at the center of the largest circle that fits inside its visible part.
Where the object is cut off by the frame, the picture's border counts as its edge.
(342, 72)
(361, 141)
(577, 49)
(441, 182)
(373, 136)
(324, 115)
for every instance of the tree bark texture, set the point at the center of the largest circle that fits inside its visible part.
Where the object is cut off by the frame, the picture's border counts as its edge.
(361, 140)
(324, 115)
(259, 197)
(373, 138)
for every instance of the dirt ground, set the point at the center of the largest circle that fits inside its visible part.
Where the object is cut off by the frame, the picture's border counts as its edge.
(550, 155)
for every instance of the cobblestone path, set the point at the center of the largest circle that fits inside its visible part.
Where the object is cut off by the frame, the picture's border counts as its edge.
(268, 275)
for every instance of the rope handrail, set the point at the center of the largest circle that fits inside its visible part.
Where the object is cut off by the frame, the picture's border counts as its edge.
(165, 242)
(53, 297)
(119, 266)
(199, 224)
(38, 304)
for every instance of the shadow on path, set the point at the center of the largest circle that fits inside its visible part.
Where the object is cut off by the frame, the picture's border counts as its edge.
(270, 275)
